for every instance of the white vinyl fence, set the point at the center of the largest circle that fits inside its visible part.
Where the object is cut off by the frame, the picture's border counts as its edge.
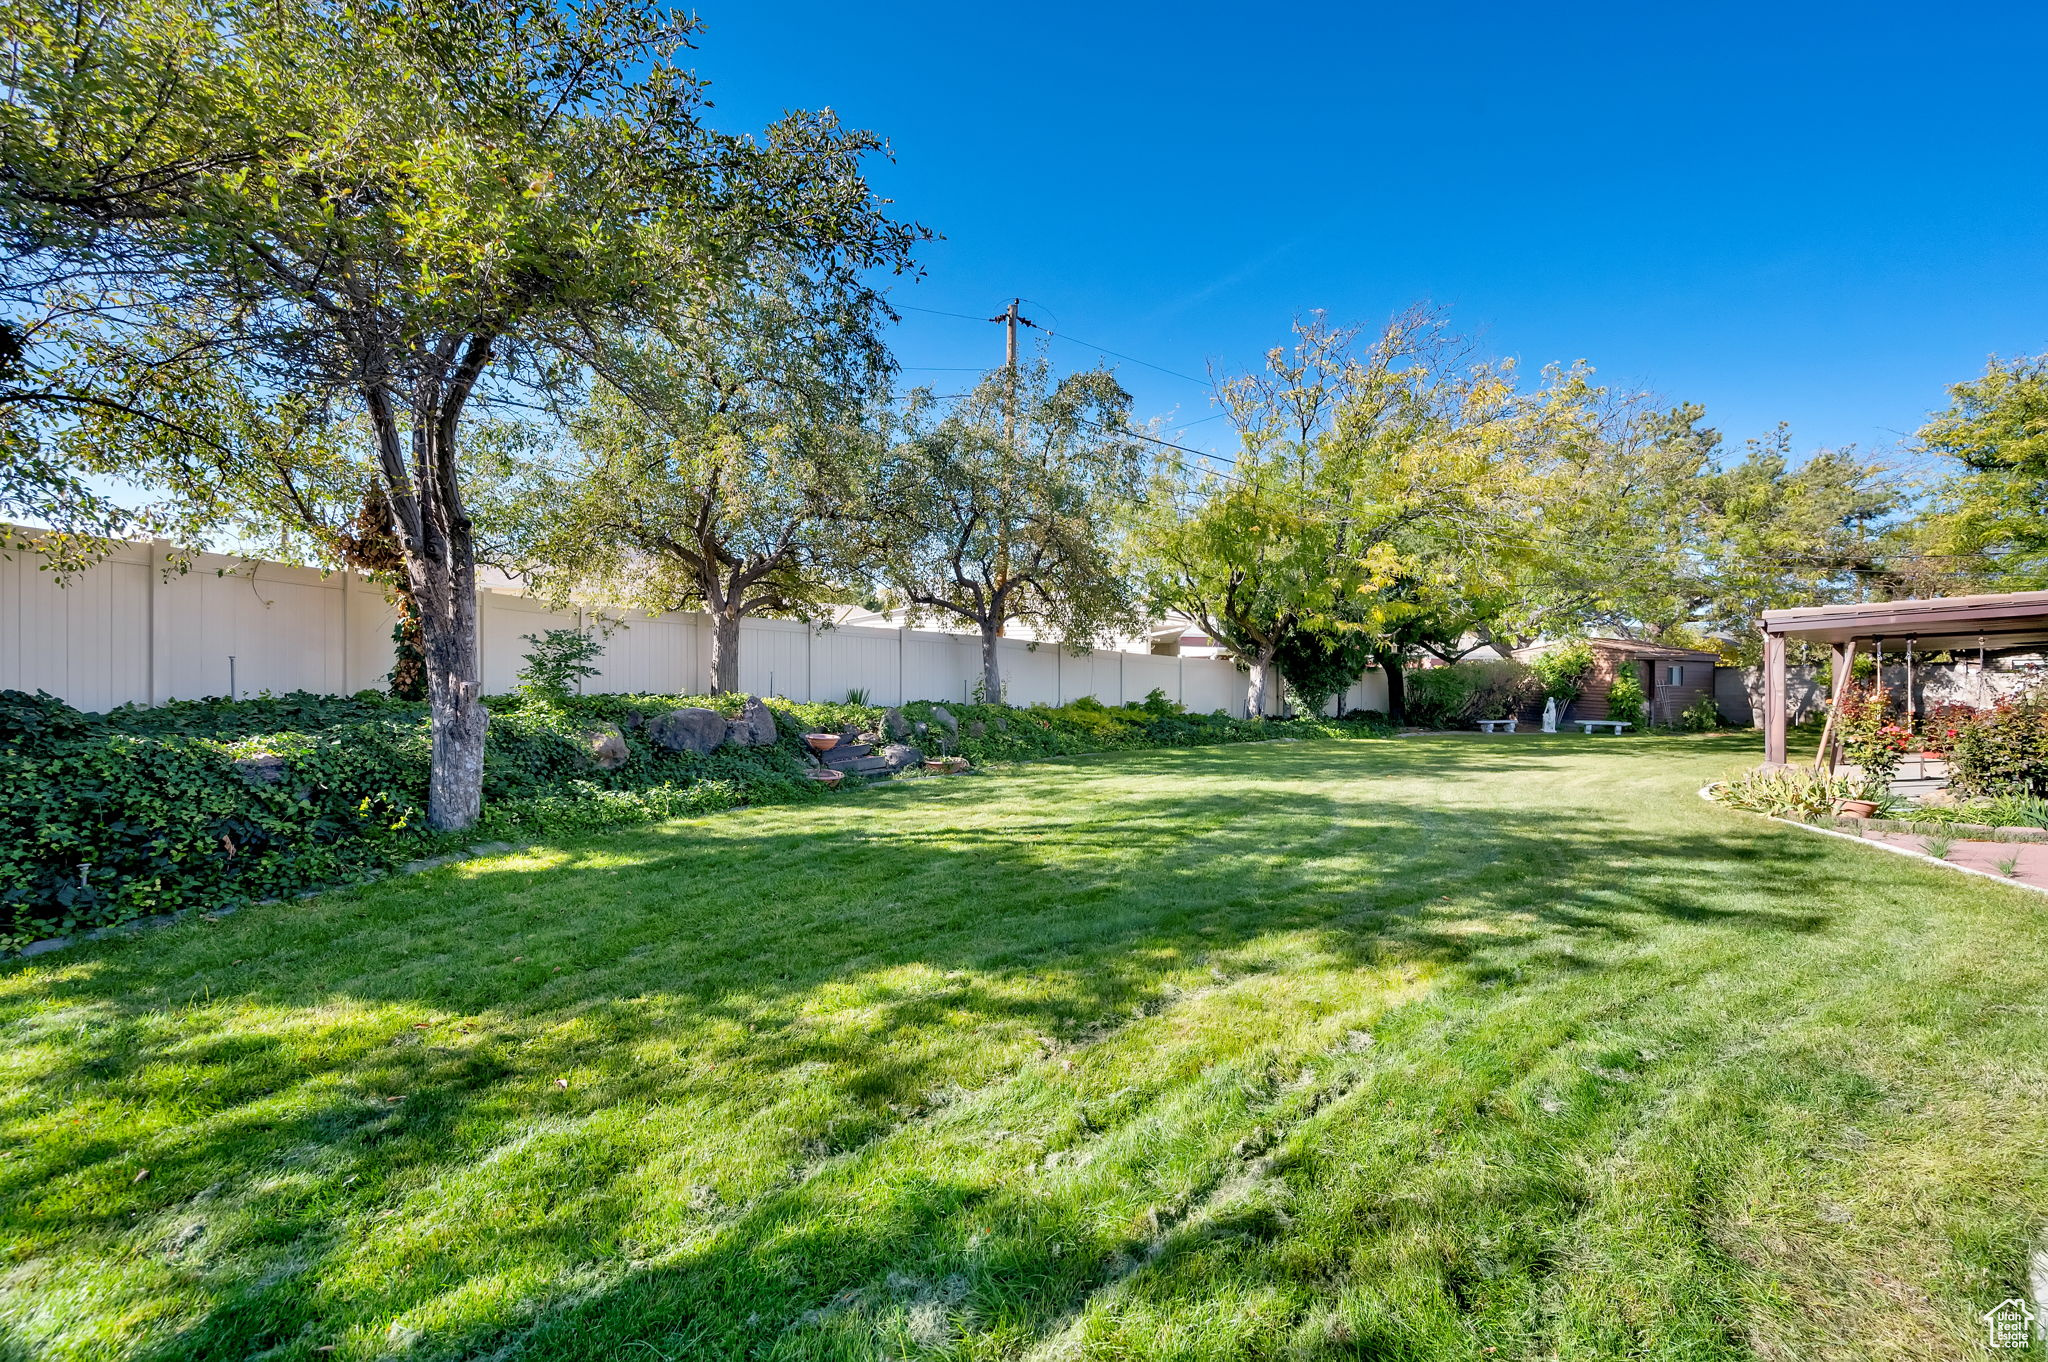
(124, 632)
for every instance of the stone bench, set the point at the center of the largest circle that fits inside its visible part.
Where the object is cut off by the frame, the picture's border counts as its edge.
(1496, 725)
(1613, 726)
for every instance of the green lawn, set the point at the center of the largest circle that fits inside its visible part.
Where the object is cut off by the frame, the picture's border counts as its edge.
(1408, 1048)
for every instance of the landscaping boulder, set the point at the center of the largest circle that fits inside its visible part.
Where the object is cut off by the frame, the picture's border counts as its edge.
(759, 722)
(899, 756)
(894, 724)
(688, 730)
(944, 718)
(976, 729)
(264, 769)
(606, 747)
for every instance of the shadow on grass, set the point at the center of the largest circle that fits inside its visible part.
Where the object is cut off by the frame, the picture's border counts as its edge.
(1045, 905)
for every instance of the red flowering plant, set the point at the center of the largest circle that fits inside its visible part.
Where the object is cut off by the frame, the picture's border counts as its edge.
(1943, 724)
(1875, 739)
(2003, 750)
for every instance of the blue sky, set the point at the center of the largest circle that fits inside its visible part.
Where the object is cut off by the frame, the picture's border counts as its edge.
(1820, 215)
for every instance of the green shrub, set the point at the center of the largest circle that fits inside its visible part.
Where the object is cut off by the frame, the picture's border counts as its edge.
(559, 660)
(1465, 692)
(1625, 697)
(2002, 750)
(1561, 671)
(105, 818)
(1701, 716)
(1319, 664)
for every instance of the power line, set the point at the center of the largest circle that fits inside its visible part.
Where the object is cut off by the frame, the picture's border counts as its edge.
(940, 312)
(1171, 373)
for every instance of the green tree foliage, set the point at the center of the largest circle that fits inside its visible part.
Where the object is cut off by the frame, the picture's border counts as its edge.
(721, 471)
(249, 239)
(1561, 671)
(1006, 507)
(1992, 519)
(1320, 664)
(1637, 525)
(1374, 491)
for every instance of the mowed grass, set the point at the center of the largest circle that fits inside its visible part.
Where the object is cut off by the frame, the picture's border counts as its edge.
(1410, 1048)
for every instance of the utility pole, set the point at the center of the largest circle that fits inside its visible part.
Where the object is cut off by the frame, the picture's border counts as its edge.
(1009, 318)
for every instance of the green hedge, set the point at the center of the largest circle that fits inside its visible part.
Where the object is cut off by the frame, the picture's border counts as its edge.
(1464, 692)
(105, 818)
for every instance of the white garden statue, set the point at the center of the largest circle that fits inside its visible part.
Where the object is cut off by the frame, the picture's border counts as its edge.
(1550, 715)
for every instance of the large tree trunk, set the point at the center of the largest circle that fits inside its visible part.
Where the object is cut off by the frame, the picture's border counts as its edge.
(446, 592)
(991, 665)
(1397, 688)
(440, 561)
(1258, 691)
(725, 652)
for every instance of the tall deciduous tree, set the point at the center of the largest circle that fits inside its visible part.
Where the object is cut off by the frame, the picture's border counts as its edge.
(228, 222)
(719, 471)
(1992, 520)
(1006, 508)
(1371, 483)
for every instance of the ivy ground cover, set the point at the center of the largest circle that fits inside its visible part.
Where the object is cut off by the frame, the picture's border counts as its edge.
(1393, 1048)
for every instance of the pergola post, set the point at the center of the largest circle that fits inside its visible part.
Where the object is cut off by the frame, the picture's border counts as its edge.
(1831, 734)
(1774, 698)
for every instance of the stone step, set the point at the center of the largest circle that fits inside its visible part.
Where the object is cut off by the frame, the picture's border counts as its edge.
(1918, 787)
(866, 766)
(846, 754)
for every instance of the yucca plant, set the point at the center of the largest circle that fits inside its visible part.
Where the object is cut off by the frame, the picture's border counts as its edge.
(1797, 792)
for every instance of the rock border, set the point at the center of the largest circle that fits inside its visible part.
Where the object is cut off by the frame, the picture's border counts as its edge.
(1894, 849)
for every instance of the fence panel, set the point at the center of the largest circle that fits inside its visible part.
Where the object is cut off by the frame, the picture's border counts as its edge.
(858, 658)
(124, 632)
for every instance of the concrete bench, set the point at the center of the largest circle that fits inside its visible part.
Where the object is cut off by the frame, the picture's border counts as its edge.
(1613, 726)
(1496, 725)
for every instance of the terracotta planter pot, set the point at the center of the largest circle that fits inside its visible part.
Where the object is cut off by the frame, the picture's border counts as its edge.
(938, 766)
(829, 779)
(1859, 808)
(822, 742)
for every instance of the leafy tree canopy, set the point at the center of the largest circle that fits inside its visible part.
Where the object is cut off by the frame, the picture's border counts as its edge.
(1992, 516)
(246, 240)
(1008, 505)
(722, 470)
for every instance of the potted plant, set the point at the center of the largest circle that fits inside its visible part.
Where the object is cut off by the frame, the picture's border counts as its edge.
(1860, 808)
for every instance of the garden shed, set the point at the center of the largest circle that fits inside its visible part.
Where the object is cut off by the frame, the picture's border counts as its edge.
(1673, 679)
(1963, 625)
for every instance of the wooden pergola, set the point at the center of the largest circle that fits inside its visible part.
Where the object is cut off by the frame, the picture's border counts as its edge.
(1962, 624)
